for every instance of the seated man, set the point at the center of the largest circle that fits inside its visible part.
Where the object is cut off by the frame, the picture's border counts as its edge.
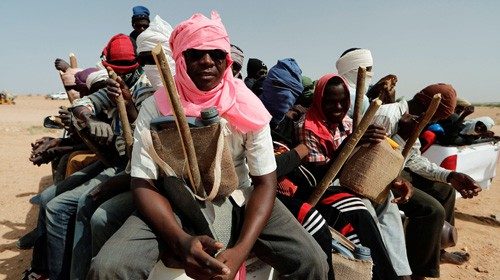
(200, 47)
(433, 201)
(323, 129)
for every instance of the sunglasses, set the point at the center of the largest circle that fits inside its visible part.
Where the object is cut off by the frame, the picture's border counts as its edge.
(194, 54)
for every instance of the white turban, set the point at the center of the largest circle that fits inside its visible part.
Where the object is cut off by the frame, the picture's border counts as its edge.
(470, 125)
(95, 77)
(158, 32)
(347, 65)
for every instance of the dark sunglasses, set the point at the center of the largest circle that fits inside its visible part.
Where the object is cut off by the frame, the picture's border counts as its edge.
(193, 54)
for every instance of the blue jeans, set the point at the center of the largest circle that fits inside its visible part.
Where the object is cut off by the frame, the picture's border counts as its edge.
(59, 212)
(110, 215)
(388, 220)
(39, 258)
(108, 218)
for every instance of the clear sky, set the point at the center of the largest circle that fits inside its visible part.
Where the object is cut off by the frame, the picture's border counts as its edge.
(422, 42)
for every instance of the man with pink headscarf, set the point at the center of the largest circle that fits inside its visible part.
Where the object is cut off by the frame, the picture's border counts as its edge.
(204, 79)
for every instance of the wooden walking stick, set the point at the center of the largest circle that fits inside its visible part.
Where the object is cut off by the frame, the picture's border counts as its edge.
(122, 113)
(436, 99)
(344, 153)
(72, 60)
(180, 120)
(360, 92)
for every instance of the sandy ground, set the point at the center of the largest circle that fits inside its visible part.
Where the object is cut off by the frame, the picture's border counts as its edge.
(21, 124)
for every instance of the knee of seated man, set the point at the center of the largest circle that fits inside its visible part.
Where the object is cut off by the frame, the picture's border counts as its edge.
(436, 210)
(54, 208)
(98, 220)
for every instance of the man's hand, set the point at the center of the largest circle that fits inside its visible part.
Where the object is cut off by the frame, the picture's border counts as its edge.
(49, 154)
(407, 124)
(61, 65)
(117, 88)
(468, 110)
(402, 189)
(42, 145)
(464, 184)
(196, 253)
(39, 142)
(65, 117)
(233, 258)
(373, 135)
(100, 130)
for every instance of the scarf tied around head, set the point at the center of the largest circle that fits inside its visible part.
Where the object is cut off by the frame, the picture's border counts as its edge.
(234, 101)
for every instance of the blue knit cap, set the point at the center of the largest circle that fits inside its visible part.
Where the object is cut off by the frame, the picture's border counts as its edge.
(140, 12)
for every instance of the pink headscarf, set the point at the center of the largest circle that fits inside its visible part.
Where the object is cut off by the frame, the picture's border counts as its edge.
(234, 101)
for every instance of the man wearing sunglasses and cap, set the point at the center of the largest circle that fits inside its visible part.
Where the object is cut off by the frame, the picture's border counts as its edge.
(200, 47)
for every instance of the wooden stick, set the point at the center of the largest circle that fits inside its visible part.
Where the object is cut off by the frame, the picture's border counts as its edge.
(122, 113)
(72, 60)
(436, 99)
(360, 92)
(180, 120)
(344, 153)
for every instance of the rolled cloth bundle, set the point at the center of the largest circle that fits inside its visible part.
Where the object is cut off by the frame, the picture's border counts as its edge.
(448, 99)
(81, 77)
(95, 77)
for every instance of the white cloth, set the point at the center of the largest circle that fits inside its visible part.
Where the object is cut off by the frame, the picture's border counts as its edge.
(364, 105)
(95, 77)
(253, 153)
(347, 66)
(388, 116)
(470, 125)
(158, 32)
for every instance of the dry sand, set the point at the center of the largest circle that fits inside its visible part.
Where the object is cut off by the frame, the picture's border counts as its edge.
(21, 124)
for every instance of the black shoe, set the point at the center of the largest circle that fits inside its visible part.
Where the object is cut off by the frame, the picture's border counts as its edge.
(28, 240)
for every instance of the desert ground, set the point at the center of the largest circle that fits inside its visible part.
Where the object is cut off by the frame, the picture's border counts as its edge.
(21, 124)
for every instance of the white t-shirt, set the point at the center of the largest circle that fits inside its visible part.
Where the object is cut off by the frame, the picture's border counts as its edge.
(253, 152)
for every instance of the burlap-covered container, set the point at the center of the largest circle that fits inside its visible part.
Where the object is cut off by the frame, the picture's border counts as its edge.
(351, 269)
(346, 268)
(207, 140)
(371, 169)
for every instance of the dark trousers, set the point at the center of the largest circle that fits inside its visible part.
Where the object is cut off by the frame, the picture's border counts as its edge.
(431, 204)
(134, 249)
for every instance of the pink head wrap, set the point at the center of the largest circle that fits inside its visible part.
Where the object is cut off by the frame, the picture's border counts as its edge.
(234, 101)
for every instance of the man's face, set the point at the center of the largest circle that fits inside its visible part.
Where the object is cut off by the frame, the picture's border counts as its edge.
(140, 25)
(205, 67)
(335, 103)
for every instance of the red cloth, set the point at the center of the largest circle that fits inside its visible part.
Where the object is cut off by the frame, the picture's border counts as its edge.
(119, 54)
(315, 120)
(234, 101)
(448, 99)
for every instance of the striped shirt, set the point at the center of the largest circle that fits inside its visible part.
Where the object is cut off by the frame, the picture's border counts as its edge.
(99, 102)
(388, 116)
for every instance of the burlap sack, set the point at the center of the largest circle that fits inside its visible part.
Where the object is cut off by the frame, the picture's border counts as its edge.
(346, 268)
(351, 269)
(371, 169)
(207, 140)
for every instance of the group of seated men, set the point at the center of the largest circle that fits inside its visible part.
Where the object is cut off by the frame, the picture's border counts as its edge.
(107, 215)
